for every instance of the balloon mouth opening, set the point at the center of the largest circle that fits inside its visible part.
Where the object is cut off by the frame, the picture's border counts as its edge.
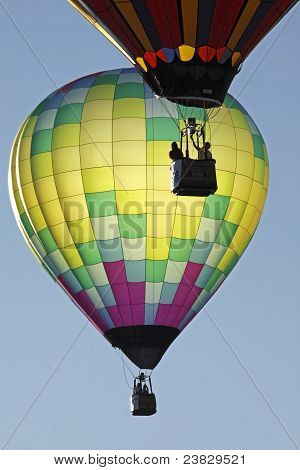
(143, 345)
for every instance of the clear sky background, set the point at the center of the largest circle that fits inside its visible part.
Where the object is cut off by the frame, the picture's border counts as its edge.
(231, 380)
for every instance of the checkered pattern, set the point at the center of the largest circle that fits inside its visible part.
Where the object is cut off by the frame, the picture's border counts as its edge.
(90, 185)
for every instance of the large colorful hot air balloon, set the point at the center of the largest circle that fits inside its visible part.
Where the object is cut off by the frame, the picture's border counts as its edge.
(90, 186)
(187, 50)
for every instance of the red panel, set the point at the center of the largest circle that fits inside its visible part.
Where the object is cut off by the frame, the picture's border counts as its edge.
(217, 23)
(160, 17)
(230, 21)
(150, 57)
(111, 17)
(283, 5)
(220, 53)
(171, 9)
(206, 53)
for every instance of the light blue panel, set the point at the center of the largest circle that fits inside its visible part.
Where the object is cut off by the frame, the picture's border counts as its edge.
(77, 95)
(135, 270)
(150, 313)
(53, 102)
(107, 295)
(204, 276)
(104, 315)
(200, 251)
(46, 120)
(168, 293)
(110, 250)
(72, 282)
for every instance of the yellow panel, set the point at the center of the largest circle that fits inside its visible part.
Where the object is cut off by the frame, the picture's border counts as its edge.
(25, 171)
(129, 129)
(37, 218)
(235, 211)
(129, 153)
(244, 140)
(243, 22)
(131, 202)
(262, 200)
(66, 159)
(129, 178)
(162, 202)
(226, 260)
(65, 136)
(129, 108)
(159, 226)
(45, 189)
(101, 92)
(225, 157)
(134, 248)
(98, 109)
(254, 222)
(185, 227)
(29, 126)
(222, 134)
(96, 155)
(98, 130)
(98, 180)
(245, 163)
(240, 240)
(248, 217)
(221, 116)
(189, 10)
(61, 235)
(69, 183)
(242, 188)
(132, 19)
(187, 205)
(25, 148)
(53, 213)
(81, 231)
(255, 194)
(41, 165)
(158, 178)
(157, 248)
(29, 195)
(225, 182)
(259, 171)
(158, 152)
(74, 208)
(72, 257)
(186, 52)
(141, 62)
(266, 178)
(18, 201)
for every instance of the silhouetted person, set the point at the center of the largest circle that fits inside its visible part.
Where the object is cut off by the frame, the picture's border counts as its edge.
(203, 152)
(175, 153)
(145, 389)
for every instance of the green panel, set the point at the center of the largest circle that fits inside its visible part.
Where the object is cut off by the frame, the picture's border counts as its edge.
(132, 225)
(101, 204)
(258, 146)
(83, 277)
(216, 207)
(69, 114)
(129, 90)
(41, 142)
(232, 264)
(27, 224)
(89, 253)
(106, 80)
(180, 249)
(41, 166)
(214, 278)
(226, 233)
(47, 240)
(39, 108)
(231, 103)
(155, 270)
(162, 129)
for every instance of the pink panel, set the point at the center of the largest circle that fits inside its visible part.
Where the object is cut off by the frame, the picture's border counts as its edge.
(115, 315)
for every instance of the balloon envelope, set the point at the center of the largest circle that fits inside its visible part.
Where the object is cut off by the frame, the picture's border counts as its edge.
(89, 182)
(187, 50)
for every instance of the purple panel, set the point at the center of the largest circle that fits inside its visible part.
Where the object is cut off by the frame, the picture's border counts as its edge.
(115, 272)
(181, 314)
(138, 312)
(162, 313)
(137, 292)
(193, 296)
(126, 314)
(65, 286)
(114, 314)
(121, 294)
(98, 322)
(182, 292)
(191, 273)
(84, 301)
(173, 314)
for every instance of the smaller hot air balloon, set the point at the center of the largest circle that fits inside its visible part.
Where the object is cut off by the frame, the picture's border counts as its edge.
(188, 51)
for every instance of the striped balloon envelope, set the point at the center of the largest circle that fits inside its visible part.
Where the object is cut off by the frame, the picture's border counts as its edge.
(90, 187)
(187, 50)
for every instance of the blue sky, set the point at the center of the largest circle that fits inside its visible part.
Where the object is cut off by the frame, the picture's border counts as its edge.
(231, 380)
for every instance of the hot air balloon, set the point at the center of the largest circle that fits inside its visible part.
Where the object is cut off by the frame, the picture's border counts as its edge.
(89, 184)
(188, 51)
